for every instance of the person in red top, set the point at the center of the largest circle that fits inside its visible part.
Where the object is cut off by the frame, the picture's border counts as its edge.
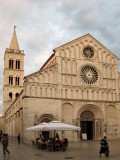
(58, 141)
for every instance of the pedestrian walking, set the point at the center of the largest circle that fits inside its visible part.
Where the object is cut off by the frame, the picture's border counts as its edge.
(104, 147)
(18, 138)
(5, 141)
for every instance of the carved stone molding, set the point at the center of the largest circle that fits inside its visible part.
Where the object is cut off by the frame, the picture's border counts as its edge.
(87, 115)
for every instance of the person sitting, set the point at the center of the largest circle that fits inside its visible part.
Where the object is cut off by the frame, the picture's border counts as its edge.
(42, 137)
(57, 136)
(41, 143)
(65, 144)
(49, 144)
(53, 143)
(58, 141)
(37, 139)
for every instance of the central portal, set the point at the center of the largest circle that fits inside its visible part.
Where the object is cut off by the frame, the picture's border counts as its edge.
(87, 125)
(87, 128)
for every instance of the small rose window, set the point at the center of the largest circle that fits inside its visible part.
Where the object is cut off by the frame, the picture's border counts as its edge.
(88, 52)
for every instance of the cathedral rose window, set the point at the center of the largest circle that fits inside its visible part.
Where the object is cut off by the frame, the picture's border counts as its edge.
(89, 74)
(88, 52)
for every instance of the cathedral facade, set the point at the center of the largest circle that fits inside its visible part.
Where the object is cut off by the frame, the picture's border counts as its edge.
(79, 84)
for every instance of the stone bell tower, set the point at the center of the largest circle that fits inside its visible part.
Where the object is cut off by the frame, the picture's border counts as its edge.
(13, 72)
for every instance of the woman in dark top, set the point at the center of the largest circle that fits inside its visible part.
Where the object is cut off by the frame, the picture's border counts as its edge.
(104, 147)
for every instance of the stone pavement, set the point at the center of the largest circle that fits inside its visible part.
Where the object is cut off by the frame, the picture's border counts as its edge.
(84, 150)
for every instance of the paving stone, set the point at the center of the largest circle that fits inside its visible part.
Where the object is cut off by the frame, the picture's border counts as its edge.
(84, 150)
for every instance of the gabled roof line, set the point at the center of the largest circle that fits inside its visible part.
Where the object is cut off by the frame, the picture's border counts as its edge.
(39, 71)
(70, 42)
(52, 55)
(82, 37)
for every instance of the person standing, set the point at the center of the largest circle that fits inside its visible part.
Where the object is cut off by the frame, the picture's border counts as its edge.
(18, 138)
(5, 144)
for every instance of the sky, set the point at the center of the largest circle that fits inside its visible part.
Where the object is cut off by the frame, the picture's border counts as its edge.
(43, 25)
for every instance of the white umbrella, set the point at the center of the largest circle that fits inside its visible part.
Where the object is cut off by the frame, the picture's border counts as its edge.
(54, 125)
(59, 126)
(34, 128)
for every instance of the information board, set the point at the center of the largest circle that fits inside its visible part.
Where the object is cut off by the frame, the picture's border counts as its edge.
(84, 136)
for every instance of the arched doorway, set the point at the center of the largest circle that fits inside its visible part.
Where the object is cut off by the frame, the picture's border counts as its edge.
(90, 117)
(46, 118)
(87, 123)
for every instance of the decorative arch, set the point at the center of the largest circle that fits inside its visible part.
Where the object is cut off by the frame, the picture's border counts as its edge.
(93, 108)
(67, 112)
(46, 76)
(111, 115)
(41, 77)
(63, 53)
(68, 53)
(46, 118)
(72, 49)
(68, 66)
(111, 121)
(51, 76)
(87, 115)
(77, 51)
(90, 119)
(64, 64)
